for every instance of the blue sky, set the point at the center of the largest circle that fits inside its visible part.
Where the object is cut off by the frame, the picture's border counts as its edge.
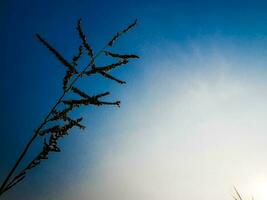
(190, 50)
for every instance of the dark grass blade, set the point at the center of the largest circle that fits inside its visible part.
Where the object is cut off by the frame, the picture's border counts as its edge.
(112, 66)
(76, 58)
(116, 103)
(56, 53)
(106, 75)
(119, 34)
(239, 197)
(79, 92)
(66, 79)
(121, 56)
(84, 39)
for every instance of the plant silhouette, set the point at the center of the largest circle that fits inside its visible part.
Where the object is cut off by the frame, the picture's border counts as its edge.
(58, 123)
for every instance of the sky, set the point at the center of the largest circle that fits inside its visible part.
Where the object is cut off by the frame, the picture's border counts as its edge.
(192, 124)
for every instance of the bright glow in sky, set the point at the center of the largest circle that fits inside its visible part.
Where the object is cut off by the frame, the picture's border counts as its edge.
(258, 188)
(192, 134)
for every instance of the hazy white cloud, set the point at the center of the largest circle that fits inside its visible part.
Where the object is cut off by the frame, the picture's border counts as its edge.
(195, 128)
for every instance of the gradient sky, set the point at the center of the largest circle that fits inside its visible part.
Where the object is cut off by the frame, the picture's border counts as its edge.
(193, 119)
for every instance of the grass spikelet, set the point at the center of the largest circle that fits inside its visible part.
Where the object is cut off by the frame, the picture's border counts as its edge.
(58, 115)
(106, 68)
(56, 53)
(116, 103)
(61, 130)
(79, 92)
(112, 66)
(76, 58)
(238, 195)
(87, 100)
(108, 76)
(102, 95)
(66, 79)
(84, 39)
(121, 56)
(119, 34)
(76, 103)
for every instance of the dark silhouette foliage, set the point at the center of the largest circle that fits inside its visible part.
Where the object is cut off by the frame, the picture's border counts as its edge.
(58, 122)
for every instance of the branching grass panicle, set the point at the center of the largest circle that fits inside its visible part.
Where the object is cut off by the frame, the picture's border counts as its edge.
(57, 124)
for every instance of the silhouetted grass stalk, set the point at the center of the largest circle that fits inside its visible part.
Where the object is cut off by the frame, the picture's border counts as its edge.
(59, 131)
(238, 196)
